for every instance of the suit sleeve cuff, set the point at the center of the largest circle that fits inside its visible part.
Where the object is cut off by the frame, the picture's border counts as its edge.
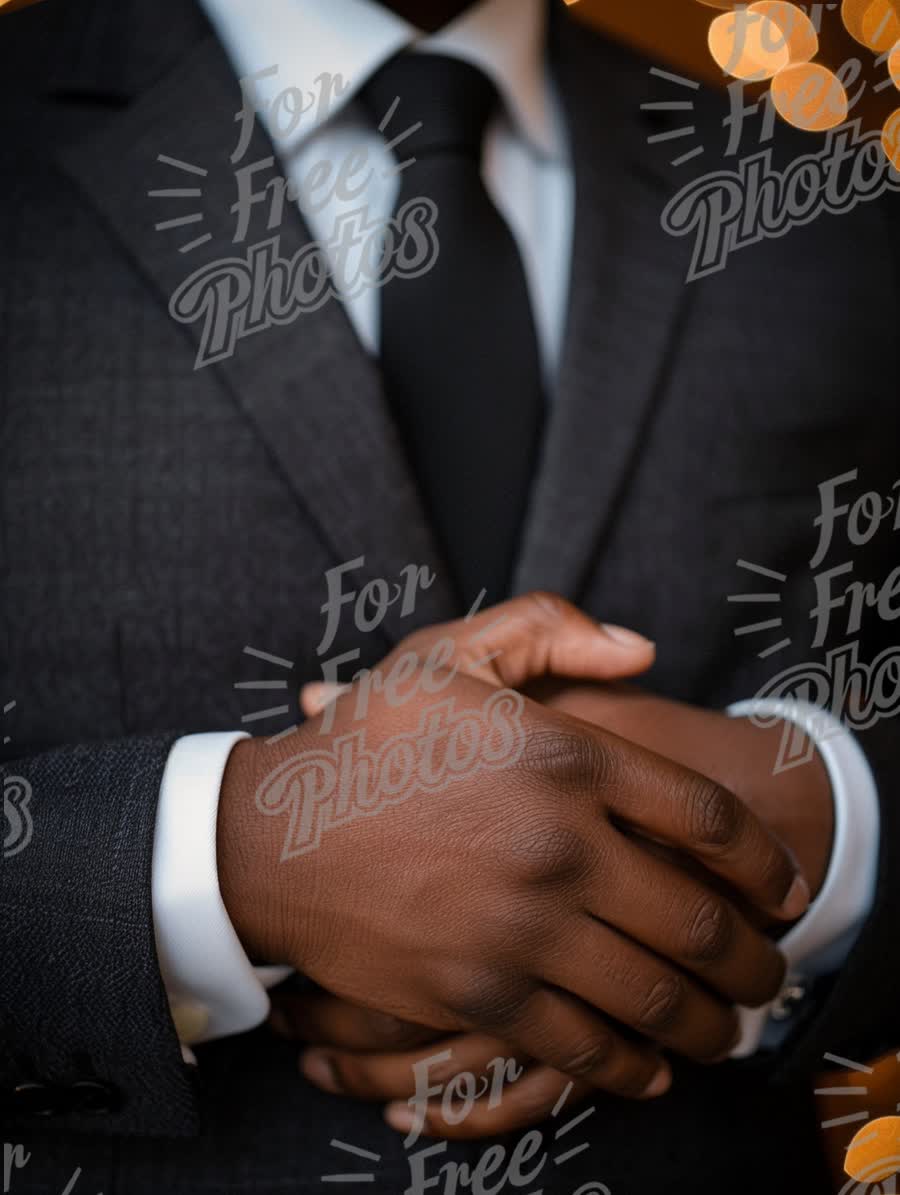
(213, 989)
(822, 939)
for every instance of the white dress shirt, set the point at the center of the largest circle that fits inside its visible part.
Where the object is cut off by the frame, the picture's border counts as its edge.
(212, 988)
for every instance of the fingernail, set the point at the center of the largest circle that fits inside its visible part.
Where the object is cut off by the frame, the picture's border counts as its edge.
(399, 1117)
(629, 639)
(797, 900)
(319, 1069)
(659, 1084)
(318, 694)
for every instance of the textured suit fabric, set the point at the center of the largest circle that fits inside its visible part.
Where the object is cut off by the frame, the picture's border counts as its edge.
(157, 519)
(87, 902)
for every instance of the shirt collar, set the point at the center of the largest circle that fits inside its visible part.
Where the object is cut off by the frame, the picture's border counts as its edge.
(311, 39)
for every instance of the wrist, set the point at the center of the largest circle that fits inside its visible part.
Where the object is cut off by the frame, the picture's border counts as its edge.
(795, 803)
(248, 859)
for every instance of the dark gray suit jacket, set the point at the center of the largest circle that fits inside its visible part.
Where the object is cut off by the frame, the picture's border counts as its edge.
(157, 519)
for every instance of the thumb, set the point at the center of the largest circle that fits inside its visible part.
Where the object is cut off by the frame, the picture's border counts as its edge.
(542, 634)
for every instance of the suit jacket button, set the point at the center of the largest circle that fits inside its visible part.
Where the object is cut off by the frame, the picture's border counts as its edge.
(37, 1099)
(93, 1098)
(788, 1003)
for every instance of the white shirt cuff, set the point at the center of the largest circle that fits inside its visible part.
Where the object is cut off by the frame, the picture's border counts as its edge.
(213, 990)
(823, 937)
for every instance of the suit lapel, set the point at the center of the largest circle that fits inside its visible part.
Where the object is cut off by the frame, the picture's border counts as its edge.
(627, 294)
(307, 387)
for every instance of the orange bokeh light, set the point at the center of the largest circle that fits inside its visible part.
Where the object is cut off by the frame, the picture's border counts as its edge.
(893, 65)
(890, 139)
(810, 96)
(748, 45)
(853, 12)
(776, 40)
(797, 30)
(874, 1153)
(881, 26)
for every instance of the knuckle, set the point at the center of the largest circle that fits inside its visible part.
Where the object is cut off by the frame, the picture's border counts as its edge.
(776, 871)
(527, 1103)
(390, 1033)
(713, 816)
(710, 932)
(519, 924)
(567, 761)
(488, 999)
(545, 850)
(353, 1073)
(442, 1070)
(590, 1055)
(662, 1007)
(547, 608)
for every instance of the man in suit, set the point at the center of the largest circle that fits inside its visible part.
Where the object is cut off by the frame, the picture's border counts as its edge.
(547, 411)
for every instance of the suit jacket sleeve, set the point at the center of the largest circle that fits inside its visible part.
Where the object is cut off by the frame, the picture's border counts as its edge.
(87, 1043)
(859, 1015)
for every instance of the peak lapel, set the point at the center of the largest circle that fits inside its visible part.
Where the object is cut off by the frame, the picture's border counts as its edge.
(306, 386)
(627, 294)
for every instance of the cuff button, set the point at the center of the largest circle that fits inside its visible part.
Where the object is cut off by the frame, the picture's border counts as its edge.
(93, 1098)
(788, 1002)
(35, 1098)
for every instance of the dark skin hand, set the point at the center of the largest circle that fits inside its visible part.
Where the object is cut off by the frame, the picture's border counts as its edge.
(373, 1058)
(374, 1052)
(796, 804)
(517, 907)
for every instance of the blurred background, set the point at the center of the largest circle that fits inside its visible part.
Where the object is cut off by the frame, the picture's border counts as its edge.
(674, 33)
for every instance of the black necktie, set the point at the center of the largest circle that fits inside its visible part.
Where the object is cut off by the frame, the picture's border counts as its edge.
(459, 349)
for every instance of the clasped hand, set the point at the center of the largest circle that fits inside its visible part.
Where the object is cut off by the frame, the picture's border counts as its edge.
(528, 912)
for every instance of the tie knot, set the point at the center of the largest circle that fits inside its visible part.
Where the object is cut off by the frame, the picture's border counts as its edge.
(450, 100)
